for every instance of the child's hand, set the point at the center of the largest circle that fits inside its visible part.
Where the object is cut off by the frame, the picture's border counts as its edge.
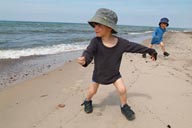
(154, 56)
(81, 60)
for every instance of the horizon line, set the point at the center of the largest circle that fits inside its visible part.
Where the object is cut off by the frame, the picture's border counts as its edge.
(81, 23)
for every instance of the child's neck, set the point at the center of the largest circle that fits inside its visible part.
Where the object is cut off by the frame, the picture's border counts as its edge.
(109, 40)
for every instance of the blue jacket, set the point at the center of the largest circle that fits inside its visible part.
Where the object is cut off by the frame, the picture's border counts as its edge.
(158, 35)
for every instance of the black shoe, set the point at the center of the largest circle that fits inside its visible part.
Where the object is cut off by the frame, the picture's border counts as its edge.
(166, 54)
(127, 112)
(144, 55)
(88, 108)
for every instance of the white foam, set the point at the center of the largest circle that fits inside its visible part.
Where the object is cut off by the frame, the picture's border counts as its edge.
(138, 33)
(187, 31)
(173, 31)
(13, 54)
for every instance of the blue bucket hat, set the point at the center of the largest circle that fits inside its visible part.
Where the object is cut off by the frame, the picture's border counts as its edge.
(105, 17)
(164, 20)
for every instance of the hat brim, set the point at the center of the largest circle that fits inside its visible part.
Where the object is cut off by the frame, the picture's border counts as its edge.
(103, 22)
(164, 23)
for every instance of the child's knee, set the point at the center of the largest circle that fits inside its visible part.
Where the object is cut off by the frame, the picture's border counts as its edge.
(123, 90)
(162, 44)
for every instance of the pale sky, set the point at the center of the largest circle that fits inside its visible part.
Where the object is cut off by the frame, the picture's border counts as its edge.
(130, 12)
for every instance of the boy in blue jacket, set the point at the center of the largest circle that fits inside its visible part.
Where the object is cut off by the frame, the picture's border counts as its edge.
(157, 38)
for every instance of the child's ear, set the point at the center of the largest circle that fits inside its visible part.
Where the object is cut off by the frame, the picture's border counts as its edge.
(111, 30)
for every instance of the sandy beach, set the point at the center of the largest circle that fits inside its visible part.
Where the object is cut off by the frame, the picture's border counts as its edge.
(159, 92)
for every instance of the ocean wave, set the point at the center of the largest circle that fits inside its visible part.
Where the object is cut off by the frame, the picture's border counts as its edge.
(138, 33)
(15, 54)
(174, 31)
(187, 31)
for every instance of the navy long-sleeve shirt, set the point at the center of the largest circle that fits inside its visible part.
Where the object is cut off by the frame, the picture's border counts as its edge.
(107, 60)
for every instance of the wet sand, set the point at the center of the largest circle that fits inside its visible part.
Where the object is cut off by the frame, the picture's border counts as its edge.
(13, 71)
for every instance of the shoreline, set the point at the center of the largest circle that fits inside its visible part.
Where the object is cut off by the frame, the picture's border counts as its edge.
(14, 71)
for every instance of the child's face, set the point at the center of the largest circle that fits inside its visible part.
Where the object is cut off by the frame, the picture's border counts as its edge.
(101, 30)
(163, 25)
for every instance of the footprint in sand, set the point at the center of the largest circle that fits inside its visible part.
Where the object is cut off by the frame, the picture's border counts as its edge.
(187, 94)
(172, 74)
(79, 82)
(43, 95)
(75, 87)
(98, 114)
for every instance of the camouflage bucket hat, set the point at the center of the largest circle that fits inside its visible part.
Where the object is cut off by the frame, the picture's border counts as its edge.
(105, 17)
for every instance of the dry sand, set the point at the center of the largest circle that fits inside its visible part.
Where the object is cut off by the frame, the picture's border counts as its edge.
(159, 92)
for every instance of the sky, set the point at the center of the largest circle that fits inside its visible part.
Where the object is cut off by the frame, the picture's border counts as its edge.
(130, 12)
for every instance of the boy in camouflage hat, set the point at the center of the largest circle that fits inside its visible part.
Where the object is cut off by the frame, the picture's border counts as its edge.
(106, 49)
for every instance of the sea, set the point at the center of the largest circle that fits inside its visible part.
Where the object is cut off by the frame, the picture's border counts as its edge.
(29, 49)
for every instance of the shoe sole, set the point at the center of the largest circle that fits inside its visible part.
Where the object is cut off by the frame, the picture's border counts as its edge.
(166, 55)
(130, 118)
(88, 112)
